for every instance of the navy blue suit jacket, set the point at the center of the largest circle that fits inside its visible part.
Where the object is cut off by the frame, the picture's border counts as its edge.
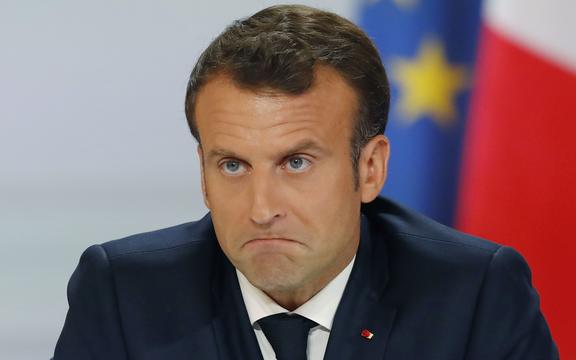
(424, 290)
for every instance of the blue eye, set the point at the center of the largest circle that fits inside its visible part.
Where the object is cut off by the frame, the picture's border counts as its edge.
(233, 167)
(297, 164)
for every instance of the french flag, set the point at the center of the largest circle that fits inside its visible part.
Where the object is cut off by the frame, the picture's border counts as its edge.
(518, 172)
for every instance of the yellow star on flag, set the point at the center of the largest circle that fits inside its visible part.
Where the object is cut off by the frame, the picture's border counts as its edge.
(429, 85)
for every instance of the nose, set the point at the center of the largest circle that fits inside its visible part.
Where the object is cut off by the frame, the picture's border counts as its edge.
(267, 206)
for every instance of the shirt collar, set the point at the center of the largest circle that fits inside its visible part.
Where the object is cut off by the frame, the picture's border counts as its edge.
(321, 308)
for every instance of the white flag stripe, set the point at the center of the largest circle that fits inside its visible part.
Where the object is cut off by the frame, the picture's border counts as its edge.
(546, 26)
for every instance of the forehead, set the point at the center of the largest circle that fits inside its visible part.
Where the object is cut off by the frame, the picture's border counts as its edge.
(228, 115)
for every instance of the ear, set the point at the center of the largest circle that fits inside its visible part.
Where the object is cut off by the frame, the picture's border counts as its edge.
(373, 167)
(202, 176)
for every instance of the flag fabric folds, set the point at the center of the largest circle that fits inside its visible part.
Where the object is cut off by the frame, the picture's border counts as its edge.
(428, 48)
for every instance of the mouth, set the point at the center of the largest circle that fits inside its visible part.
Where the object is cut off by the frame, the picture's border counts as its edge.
(271, 242)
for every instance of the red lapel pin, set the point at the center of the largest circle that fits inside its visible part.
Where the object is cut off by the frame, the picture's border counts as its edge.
(367, 334)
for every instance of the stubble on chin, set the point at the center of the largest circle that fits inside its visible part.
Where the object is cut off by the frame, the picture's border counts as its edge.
(273, 273)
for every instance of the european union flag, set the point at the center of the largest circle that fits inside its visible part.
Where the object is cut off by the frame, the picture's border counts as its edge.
(428, 48)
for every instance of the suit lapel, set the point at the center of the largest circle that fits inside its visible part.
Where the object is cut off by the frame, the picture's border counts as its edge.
(363, 305)
(233, 332)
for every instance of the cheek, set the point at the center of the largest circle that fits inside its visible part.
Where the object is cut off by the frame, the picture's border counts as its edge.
(329, 201)
(331, 184)
(224, 193)
(227, 209)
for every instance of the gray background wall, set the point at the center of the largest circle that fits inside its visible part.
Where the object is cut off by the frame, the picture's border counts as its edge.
(93, 141)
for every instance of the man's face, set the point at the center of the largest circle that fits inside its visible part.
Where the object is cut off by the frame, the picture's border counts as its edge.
(278, 179)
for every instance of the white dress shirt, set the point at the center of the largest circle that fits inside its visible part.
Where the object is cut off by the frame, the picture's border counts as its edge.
(321, 308)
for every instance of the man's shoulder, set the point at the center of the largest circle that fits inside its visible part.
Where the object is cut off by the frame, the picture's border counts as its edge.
(194, 235)
(405, 228)
(442, 281)
(433, 262)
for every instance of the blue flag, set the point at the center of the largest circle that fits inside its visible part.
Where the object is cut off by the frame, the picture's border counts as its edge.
(428, 48)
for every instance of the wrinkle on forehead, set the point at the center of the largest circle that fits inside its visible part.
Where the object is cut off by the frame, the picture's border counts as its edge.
(271, 112)
(271, 131)
(276, 139)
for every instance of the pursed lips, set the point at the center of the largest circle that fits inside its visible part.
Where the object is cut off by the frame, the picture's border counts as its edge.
(270, 239)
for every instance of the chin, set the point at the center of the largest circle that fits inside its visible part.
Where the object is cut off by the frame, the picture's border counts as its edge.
(274, 275)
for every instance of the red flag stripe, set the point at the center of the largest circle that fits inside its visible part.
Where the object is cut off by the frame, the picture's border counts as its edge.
(519, 171)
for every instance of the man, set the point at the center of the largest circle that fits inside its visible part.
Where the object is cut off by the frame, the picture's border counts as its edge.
(299, 258)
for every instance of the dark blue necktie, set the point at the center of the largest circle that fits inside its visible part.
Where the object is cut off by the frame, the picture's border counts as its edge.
(288, 335)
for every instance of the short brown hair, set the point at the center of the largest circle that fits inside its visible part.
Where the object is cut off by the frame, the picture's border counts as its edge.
(279, 47)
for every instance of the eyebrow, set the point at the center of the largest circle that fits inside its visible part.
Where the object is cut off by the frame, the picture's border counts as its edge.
(302, 146)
